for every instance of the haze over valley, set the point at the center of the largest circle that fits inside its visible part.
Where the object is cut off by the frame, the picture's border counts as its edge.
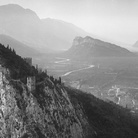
(69, 69)
(93, 68)
(84, 61)
(87, 63)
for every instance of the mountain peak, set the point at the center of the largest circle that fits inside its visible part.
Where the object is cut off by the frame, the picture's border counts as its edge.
(12, 7)
(81, 41)
(25, 26)
(78, 40)
(15, 9)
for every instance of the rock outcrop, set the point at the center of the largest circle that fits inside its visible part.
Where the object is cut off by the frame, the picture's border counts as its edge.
(45, 113)
(90, 47)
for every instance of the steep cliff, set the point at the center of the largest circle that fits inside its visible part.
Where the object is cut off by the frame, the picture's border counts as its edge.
(46, 112)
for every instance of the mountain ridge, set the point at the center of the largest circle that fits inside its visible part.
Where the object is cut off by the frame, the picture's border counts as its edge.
(20, 48)
(25, 26)
(89, 46)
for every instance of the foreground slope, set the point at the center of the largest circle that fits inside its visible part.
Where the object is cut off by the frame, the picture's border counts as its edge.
(45, 112)
(53, 110)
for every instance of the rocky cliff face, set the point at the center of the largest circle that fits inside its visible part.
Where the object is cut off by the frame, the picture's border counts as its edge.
(44, 113)
(81, 41)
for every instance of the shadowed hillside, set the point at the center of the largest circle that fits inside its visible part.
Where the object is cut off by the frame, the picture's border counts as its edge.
(106, 118)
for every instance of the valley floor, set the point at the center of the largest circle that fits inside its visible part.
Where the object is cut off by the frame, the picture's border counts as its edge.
(100, 77)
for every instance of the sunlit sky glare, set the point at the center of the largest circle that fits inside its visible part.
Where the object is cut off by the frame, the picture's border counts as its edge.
(112, 19)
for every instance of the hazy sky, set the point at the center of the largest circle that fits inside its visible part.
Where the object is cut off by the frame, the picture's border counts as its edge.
(113, 19)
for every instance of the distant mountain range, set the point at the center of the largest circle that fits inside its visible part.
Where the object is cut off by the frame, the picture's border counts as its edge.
(20, 48)
(24, 25)
(89, 47)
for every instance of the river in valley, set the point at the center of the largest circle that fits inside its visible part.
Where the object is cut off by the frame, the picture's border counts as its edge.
(68, 73)
(65, 61)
